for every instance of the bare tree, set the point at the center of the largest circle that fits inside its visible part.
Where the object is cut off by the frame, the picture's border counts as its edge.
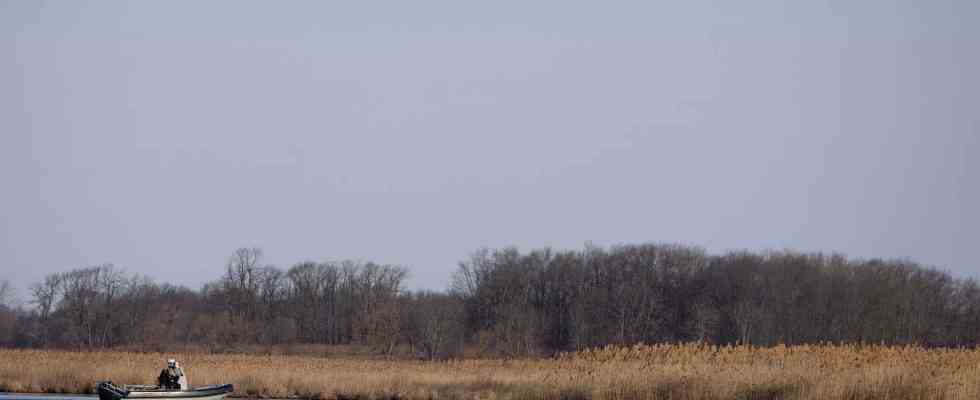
(241, 285)
(8, 316)
(6, 293)
(705, 319)
(380, 286)
(307, 285)
(46, 295)
(433, 324)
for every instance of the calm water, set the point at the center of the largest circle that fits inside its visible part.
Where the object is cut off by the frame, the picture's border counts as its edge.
(21, 396)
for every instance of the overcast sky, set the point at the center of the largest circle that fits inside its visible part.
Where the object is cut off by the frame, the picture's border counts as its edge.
(160, 136)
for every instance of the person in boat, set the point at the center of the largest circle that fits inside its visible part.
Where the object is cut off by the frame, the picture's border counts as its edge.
(172, 377)
(182, 379)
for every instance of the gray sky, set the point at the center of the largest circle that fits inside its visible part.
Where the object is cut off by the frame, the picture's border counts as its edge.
(160, 136)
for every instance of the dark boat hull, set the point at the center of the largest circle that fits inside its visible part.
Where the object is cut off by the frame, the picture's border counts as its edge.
(109, 391)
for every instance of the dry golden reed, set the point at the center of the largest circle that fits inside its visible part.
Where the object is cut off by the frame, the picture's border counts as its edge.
(688, 371)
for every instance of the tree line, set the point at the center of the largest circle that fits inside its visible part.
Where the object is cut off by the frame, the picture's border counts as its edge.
(508, 303)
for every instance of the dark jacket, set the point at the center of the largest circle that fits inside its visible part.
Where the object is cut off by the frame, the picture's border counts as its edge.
(170, 378)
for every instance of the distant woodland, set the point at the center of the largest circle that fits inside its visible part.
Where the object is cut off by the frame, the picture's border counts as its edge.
(507, 303)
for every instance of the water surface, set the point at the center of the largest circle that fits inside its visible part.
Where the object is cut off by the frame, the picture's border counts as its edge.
(26, 396)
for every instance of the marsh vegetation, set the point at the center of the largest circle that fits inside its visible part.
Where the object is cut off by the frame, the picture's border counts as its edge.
(639, 372)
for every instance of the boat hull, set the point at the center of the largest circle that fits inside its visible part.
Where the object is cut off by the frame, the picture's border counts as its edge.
(108, 391)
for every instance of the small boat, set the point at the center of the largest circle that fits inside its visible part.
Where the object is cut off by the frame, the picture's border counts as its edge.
(110, 391)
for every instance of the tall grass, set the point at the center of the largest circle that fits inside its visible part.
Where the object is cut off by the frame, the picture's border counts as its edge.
(639, 372)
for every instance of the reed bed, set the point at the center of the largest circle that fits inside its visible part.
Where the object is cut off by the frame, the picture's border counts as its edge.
(688, 371)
